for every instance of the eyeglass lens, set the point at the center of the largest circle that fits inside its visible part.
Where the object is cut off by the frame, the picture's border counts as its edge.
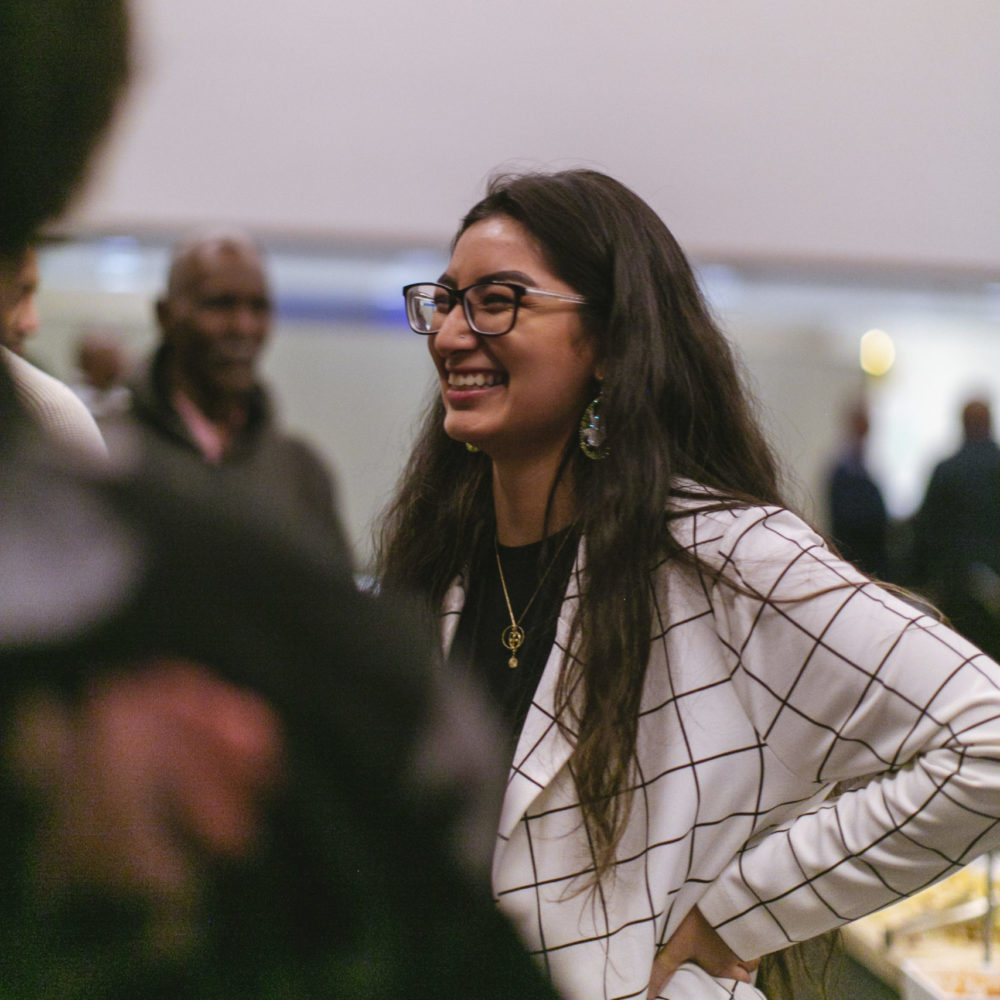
(490, 309)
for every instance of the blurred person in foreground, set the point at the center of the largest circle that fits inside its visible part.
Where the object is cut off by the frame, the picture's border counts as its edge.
(51, 403)
(956, 532)
(200, 394)
(224, 771)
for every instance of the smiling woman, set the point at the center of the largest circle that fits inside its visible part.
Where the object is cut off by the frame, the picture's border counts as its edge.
(688, 674)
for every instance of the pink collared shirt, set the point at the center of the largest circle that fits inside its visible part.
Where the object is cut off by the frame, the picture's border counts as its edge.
(213, 439)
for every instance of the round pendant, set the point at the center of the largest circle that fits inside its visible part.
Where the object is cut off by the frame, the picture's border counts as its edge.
(512, 637)
(512, 663)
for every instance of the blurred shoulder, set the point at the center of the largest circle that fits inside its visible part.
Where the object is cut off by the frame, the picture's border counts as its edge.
(54, 407)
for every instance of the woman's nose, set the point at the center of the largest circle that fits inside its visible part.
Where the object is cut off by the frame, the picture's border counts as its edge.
(455, 333)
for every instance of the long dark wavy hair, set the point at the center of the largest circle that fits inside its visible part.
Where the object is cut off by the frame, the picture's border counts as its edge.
(674, 405)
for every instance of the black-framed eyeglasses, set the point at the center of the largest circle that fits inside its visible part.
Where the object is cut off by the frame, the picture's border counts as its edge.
(490, 306)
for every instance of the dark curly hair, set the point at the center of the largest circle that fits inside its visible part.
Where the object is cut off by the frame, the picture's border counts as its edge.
(63, 64)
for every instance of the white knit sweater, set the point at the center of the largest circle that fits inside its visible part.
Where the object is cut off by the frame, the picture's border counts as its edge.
(55, 407)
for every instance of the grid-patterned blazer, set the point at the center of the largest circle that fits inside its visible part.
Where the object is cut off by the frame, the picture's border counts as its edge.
(756, 703)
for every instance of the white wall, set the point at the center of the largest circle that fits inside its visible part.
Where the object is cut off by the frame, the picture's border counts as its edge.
(863, 130)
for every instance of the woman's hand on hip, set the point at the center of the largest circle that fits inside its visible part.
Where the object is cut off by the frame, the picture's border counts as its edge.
(695, 940)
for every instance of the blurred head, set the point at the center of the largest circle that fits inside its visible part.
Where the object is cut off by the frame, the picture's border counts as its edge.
(100, 359)
(856, 423)
(18, 311)
(62, 67)
(976, 420)
(215, 318)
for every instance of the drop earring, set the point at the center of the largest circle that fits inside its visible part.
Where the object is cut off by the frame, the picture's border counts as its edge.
(470, 447)
(593, 433)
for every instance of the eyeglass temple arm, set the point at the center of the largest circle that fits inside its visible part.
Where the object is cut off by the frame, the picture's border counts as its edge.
(569, 297)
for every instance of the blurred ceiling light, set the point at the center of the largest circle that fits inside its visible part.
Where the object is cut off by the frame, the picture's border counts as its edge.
(877, 352)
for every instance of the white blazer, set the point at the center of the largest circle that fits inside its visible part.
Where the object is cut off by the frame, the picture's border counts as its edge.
(755, 704)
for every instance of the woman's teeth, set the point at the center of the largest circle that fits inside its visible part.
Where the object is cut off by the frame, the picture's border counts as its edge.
(473, 380)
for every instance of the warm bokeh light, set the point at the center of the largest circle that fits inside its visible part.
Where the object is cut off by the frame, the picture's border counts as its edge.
(877, 352)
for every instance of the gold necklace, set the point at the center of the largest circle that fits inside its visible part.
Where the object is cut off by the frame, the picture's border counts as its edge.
(513, 635)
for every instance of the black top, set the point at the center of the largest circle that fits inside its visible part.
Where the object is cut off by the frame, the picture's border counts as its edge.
(545, 566)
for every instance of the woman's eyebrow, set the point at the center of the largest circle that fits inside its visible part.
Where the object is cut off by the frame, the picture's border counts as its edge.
(516, 277)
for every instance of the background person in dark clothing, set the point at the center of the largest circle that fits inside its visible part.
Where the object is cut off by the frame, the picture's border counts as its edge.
(956, 533)
(859, 523)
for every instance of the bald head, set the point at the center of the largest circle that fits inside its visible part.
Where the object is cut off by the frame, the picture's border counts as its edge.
(196, 252)
(215, 318)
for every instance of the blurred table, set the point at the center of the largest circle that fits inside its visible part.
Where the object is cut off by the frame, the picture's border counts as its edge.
(941, 943)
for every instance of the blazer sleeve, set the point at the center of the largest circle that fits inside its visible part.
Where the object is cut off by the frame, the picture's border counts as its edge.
(847, 683)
